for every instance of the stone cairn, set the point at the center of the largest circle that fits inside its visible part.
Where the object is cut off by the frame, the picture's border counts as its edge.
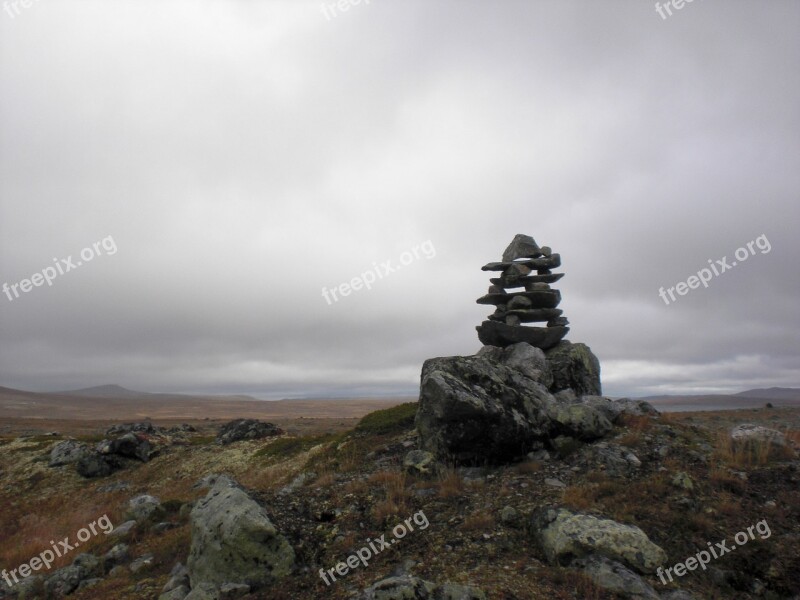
(536, 303)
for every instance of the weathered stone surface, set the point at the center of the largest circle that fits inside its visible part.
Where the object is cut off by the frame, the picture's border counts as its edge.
(518, 303)
(759, 440)
(523, 281)
(419, 462)
(535, 314)
(494, 333)
(94, 465)
(614, 409)
(474, 409)
(407, 587)
(615, 577)
(550, 262)
(565, 535)
(522, 246)
(142, 507)
(246, 429)
(233, 541)
(574, 366)
(67, 452)
(583, 422)
(129, 445)
(495, 406)
(537, 298)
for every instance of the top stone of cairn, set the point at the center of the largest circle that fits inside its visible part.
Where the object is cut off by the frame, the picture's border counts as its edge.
(522, 246)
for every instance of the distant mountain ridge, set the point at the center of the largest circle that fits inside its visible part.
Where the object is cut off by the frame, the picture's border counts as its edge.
(111, 390)
(773, 393)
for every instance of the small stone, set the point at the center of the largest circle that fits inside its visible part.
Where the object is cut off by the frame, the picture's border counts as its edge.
(519, 302)
(683, 481)
(554, 483)
(546, 250)
(141, 563)
(522, 246)
(512, 320)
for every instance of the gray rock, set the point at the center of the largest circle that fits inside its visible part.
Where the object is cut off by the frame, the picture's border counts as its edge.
(522, 246)
(118, 555)
(143, 507)
(204, 591)
(229, 591)
(140, 427)
(141, 563)
(123, 529)
(233, 541)
(420, 462)
(510, 516)
(93, 465)
(494, 333)
(178, 593)
(408, 587)
(582, 422)
(615, 577)
(556, 483)
(129, 445)
(525, 281)
(678, 595)
(520, 303)
(66, 580)
(550, 262)
(512, 320)
(564, 535)
(613, 459)
(246, 429)
(475, 408)
(536, 298)
(758, 439)
(179, 577)
(531, 315)
(575, 367)
(67, 452)
(86, 583)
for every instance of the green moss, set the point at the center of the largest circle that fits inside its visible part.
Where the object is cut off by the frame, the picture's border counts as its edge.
(390, 420)
(291, 446)
(202, 440)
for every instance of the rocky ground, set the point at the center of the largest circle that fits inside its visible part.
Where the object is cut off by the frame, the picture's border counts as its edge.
(677, 478)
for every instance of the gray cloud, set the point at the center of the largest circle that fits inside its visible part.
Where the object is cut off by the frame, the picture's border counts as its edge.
(245, 155)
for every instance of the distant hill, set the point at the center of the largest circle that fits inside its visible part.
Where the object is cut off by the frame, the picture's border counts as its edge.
(773, 393)
(104, 391)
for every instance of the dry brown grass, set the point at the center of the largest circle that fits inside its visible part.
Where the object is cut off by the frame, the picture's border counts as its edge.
(394, 485)
(480, 520)
(744, 456)
(325, 479)
(450, 484)
(529, 466)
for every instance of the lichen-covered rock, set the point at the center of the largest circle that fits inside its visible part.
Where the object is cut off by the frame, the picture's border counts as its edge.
(408, 587)
(67, 452)
(582, 421)
(246, 429)
(419, 462)
(475, 408)
(574, 366)
(615, 577)
(564, 536)
(614, 409)
(756, 439)
(143, 507)
(234, 541)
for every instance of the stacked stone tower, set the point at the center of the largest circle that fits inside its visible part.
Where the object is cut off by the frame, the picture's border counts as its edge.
(537, 302)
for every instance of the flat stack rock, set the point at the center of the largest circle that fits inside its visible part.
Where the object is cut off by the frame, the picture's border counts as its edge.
(536, 302)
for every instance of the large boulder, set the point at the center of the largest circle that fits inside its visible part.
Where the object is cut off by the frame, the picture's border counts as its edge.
(95, 465)
(129, 445)
(246, 429)
(233, 541)
(496, 406)
(564, 536)
(475, 408)
(575, 367)
(67, 452)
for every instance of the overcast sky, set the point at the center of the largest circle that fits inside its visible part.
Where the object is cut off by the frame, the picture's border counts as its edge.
(238, 157)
